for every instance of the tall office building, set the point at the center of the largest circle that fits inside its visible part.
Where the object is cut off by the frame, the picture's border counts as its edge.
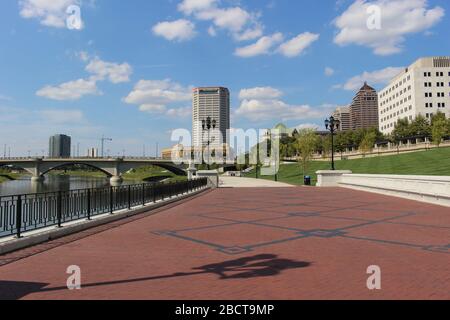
(59, 146)
(213, 102)
(343, 115)
(92, 153)
(421, 89)
(364, 108)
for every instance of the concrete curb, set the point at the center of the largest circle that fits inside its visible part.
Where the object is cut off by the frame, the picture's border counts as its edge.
(36, 237)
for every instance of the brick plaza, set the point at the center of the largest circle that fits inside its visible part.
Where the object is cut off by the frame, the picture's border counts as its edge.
(255, 243)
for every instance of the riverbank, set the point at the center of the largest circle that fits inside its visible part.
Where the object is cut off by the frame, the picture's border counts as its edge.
(141, 174)
(8, 176)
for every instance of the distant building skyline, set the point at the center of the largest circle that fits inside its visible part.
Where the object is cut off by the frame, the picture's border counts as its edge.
(59, 146)
(343, 115)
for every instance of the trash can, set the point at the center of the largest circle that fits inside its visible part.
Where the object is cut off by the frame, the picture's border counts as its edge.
(307, 181)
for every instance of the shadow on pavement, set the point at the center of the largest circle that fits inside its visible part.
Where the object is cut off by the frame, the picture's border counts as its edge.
(264, 265)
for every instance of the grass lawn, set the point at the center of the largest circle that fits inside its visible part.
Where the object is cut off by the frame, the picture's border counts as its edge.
(432, 162)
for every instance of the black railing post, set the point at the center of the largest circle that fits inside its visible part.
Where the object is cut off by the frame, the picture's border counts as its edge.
(154, 192)
(111, 207)
(59, 208)
(19, 216)
(129, 197)
(89, 204)
(143, 195)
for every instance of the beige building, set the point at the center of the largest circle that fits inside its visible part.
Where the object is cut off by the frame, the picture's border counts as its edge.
(364, 108)
(421, 89)
(213, 102)
(343, 115)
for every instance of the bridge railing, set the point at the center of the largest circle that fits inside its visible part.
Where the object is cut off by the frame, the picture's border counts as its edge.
(29, 212)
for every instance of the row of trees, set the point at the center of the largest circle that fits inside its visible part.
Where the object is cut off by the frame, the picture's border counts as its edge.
(437, 128)
(306, 143)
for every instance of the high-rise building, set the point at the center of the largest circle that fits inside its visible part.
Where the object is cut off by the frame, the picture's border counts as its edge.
(421, 89)
(343, 115)
(364, 108)
(212, 102)
(59, 146)
(92, 153)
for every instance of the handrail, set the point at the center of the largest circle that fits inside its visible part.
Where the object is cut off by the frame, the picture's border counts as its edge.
(29, 212)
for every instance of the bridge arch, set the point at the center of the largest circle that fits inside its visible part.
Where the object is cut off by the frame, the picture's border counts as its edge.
(59, 166)
(29, 170)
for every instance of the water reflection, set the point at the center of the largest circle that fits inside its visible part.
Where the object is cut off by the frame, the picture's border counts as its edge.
(53, 183)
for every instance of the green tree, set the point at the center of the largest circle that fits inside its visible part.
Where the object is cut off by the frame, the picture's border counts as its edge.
(402, 130)
(368, 142)
(306, 145)
(420, 127)
(439, 128)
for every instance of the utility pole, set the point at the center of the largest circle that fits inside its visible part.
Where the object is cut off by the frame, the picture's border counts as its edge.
(103, 144)
(157, 150)
(4, 152)
(144, 151)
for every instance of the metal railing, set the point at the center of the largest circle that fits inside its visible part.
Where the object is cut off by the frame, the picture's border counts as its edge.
(23, 213)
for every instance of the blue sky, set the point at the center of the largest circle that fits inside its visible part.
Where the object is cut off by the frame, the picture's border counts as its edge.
(128, 72)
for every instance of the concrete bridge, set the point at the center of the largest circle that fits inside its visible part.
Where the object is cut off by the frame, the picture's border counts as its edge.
(113, 168)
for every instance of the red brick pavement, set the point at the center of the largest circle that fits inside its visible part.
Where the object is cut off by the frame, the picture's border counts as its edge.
(293, 243)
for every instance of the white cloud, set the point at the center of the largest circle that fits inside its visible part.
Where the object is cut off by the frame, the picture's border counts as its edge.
(262, 46)
(240, 23)
(276, 110)
(329, 71)
(190, 6)
(378, 77)
(116, 73)
(179, 30)
(252, 33)
(260, 93)
(399, 18)
(297, 45)
(99, 70)
(71, 90)
(57, 116)
(232, 19)
(159, 96)
(152, 108)
(264, 104)
(50, 13)
(179, 112)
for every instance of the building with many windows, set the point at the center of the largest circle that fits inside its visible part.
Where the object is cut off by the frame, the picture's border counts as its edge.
(212, 102)
(364, 108)
(343, 115)
(421, 89)
(59, 146)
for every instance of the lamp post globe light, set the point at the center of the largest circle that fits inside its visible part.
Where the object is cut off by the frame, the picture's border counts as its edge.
(332, 125)
(207, 125)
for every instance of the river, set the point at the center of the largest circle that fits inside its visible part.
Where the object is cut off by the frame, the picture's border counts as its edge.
(53, 183)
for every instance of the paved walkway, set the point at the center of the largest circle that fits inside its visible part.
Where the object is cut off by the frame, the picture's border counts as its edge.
(237, 182)
(280, 243)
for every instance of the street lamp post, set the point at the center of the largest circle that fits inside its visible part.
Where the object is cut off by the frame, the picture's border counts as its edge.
(207, 125)
(332, 125)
